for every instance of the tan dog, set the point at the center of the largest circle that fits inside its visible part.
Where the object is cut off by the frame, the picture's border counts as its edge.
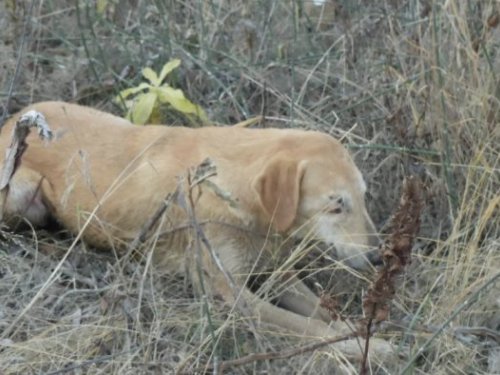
(103, 171)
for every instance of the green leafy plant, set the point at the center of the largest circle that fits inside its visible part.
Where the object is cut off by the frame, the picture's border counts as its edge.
(149, 97)
(101, 6)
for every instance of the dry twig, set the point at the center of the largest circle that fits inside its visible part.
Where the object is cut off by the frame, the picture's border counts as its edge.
(142, 236)
(17, 148)
(283, 354)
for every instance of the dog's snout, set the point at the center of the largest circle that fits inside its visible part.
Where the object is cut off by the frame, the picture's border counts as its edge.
(375, 257)
(373, 241)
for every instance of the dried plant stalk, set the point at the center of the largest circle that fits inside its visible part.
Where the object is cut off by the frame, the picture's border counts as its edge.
(396, 253)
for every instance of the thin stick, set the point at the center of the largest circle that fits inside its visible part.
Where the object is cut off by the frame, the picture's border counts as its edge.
(150, 223)
(17, 148)
(284, 354)
(364, 368)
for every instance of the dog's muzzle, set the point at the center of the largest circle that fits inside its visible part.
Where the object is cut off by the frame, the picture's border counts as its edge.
(375, 257)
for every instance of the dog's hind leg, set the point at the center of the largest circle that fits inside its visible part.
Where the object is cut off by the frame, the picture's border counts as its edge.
(24, 199)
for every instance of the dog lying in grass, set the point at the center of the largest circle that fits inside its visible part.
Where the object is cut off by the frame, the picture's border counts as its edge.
(104, 178)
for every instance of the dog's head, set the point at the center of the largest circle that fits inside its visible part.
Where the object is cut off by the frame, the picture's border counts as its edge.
(318, 189)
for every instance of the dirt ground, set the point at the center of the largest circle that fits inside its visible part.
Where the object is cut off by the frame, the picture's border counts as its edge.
(410, 87)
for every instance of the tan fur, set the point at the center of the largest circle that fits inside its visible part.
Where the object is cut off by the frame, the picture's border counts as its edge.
(100, 168)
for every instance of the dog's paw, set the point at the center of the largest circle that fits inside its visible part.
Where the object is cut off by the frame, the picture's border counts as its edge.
(379, 350)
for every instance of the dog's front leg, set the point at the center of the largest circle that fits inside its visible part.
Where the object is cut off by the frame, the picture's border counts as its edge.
(230, 284)
(299, 299)
(265, 313)
(234, 291)
(229, 267)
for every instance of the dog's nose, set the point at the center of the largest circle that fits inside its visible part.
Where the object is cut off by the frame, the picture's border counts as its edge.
(375, 257)
(373, 241)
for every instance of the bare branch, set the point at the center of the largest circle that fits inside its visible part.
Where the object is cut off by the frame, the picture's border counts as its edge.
(283, 354)
(17, 148)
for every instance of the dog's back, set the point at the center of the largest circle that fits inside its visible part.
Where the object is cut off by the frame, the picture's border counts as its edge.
(102, 165)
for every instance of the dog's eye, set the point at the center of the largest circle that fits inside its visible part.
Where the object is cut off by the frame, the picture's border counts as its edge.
(336, 211)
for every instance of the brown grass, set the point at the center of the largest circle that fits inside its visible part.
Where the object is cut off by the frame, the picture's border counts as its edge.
(410, 86)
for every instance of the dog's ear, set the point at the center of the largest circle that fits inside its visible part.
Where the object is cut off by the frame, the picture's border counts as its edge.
(278, 188)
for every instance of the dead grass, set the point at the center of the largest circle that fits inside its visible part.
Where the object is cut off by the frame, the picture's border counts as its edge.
(410, 86)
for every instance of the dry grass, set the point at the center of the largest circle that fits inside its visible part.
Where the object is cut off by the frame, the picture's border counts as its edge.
(411, 86)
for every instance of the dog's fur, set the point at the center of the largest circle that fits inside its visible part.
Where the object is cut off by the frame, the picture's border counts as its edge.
(110, 176)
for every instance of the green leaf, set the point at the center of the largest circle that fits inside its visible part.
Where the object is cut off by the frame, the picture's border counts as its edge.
(151, 76)
(155, 117)
(101, 6)
(124, 94)
(167, 68)
(178, 101)
(142, 108)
